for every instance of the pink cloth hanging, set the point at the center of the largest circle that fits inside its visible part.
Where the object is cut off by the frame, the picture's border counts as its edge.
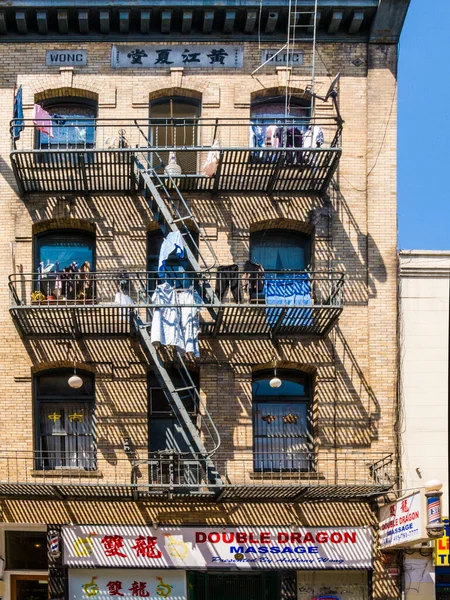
(42, 120)
(272, 138)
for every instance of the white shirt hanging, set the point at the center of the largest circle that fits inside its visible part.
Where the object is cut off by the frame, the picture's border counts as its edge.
(189, 318)
(173, 243)
(166, 322)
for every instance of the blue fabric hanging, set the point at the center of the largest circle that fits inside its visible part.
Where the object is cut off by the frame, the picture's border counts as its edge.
(18, 114)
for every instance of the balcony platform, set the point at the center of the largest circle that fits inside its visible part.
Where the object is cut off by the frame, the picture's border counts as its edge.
(96, 167)
(328, 477)
(313, 313)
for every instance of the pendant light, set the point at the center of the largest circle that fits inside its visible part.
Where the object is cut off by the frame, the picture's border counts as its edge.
(275, 382)
(75, 380)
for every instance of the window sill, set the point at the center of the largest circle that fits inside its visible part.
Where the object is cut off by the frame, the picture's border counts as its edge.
(74, 473)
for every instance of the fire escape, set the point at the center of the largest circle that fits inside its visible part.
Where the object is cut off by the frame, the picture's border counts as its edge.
(135, 164)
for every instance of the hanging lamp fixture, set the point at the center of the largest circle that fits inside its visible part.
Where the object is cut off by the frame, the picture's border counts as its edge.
(75, 380)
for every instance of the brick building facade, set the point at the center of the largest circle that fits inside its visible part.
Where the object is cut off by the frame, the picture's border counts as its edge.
(340, 198)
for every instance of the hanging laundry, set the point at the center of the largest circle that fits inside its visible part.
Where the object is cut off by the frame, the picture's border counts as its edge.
(123, 299)
(166, 321)
(43, 120)
(313, 137)
(253, 279)
(212, 160)
(273, 136)
(173, 243)
(228, 277)
(289, 291)
(18, 114)
(294, 139)
(190, 303)
(256, 139)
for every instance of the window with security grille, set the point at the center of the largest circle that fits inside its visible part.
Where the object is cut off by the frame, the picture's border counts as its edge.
(65, 432)
(282, 431)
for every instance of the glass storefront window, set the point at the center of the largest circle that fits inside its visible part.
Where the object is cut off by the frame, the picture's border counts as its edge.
(26, 550)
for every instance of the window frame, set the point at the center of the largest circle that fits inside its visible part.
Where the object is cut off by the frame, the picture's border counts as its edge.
(40, 399)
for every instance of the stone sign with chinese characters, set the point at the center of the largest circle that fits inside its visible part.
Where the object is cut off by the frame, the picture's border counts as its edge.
(403, 523)
(150, 57)
(127, 583)
(287, 547)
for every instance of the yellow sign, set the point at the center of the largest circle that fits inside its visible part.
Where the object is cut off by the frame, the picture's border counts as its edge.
(442, 547)
(84, 546)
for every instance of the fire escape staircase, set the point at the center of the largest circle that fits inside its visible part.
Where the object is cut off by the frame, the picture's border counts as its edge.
(171, 212)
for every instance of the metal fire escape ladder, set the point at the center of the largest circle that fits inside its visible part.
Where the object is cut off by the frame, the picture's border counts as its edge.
(302, 27)
(177, 396)
(175, 215)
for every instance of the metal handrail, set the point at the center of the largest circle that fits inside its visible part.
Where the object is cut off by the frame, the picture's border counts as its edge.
(122, 135)
(237, 467)
(320, 288)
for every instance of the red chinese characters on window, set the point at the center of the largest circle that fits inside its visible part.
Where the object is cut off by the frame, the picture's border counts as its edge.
(392, 510)
(139, 588)
(112, 545)
(404, 506)
(146, 547)
(114, 588)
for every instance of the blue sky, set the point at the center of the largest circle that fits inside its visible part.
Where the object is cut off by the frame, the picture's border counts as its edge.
(424, 127)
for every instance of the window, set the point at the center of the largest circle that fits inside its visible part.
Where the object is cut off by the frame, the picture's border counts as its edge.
(174, 265)
(280, 249)
(64, 422)
(273, 127)
(282, 437)
(167, 433)
(174, 124)
(73, 124)
(26, 550)
(61, 261)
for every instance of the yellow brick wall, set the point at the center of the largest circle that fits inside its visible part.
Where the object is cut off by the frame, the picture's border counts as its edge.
(355, 366)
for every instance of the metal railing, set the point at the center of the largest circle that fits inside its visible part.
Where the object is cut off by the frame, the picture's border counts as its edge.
(268, 304)
(173, 470)
(188, 134)
(277, 289)
(102, 157)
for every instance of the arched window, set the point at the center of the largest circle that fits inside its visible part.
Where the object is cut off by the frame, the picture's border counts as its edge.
(269, 127)
(282, 432)
(72, 126)
(174, 124)
(60, 256)
(280, 249)
(65, 433)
